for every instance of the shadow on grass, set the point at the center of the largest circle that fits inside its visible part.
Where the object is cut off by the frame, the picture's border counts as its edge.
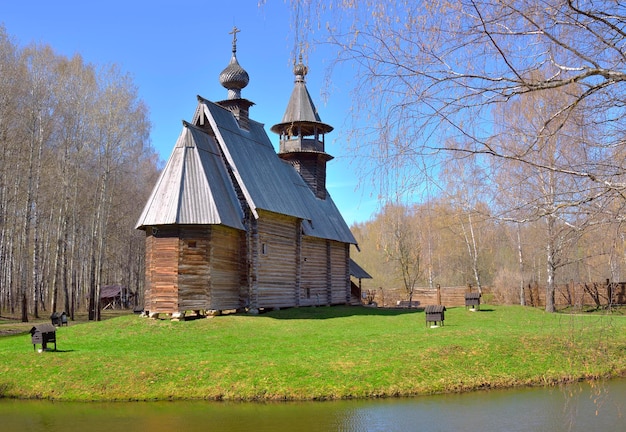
(53, 351)
(329, 312)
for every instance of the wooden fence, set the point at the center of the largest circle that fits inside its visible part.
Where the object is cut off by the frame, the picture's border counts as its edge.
(447, 296)
(598, 294)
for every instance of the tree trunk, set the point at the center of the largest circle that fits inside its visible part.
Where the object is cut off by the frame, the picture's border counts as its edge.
(520, 257)
(551, 265)
(472, 248)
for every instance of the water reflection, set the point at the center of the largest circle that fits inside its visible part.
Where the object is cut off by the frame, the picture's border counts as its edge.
(579, 407)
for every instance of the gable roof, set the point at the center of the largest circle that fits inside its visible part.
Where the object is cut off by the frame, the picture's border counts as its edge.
(194, 187)
(112, 291)
(208, 165)
(268, 182)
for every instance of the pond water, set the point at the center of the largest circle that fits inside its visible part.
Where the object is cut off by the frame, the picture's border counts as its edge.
(578, 407)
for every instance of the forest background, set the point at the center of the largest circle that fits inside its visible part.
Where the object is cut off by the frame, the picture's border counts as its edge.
(493, 131)
(75, 164)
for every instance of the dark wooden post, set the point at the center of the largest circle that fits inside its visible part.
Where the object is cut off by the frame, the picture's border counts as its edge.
(439, 294)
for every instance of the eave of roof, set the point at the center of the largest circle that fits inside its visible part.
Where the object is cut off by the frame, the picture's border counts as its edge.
(357, 271)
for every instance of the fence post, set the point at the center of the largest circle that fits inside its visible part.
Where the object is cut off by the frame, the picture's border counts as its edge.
(439, 294)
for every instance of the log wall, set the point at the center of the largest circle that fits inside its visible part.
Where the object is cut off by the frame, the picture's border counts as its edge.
(325, 272)
(226, 267)
(162, 270)
(193, 268)
(198, 268)
(340, 273)
(147, 291)
(314, 289)
(276, 268)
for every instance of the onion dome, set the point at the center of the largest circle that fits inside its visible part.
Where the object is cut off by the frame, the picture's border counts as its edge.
(234, 77)
(300, 70)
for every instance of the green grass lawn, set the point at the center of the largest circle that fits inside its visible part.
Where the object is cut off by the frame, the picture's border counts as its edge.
(314, 353)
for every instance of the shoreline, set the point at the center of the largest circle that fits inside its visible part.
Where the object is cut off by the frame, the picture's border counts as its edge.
(327, 354)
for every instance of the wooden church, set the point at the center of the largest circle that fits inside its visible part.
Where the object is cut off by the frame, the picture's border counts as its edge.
(233, 225)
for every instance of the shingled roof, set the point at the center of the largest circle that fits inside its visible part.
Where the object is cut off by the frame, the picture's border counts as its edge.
(196, 186)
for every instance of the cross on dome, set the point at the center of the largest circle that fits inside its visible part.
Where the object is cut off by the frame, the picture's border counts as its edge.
(234, 77)
(234, 33)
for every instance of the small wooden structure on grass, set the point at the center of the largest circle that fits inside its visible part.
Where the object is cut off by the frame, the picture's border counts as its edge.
(58, 319)
(472, 300)
(408, 304)
(43, 334)
(357, 272)
(116, 297)
(435, 314)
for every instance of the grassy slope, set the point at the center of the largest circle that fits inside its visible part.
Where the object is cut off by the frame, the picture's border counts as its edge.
(313, 353)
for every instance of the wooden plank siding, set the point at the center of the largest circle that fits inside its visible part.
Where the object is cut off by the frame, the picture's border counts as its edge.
(226, 266)
(147, 293)
(277, 265)
(162, 271)
(272, 265)
(340, 273)
(194, 267)
(314, 272)
(249, 290)
(325, 272)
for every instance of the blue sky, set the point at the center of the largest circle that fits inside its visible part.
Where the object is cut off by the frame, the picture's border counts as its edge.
(175, 50)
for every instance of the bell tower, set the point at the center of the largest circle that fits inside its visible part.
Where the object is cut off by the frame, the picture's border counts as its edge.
(302, 135)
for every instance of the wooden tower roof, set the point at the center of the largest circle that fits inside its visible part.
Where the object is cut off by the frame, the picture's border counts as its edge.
(301, 116)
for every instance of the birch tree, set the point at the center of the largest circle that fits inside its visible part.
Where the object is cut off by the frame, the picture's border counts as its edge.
(37, 122)
(464, 187)
(76, 87)
(400, 242)
(10, 94)
(75, 159)
(121, 128)
(434, 73)
(562, 202)
(438, 69)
